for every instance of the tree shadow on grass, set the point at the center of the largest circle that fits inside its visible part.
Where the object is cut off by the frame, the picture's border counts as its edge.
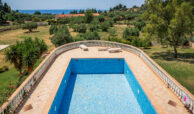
(169, 56)
(27, 32)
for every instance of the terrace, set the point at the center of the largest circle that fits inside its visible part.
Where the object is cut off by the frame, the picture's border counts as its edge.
(162, 90)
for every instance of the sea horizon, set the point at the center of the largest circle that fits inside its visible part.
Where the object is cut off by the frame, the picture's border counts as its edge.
(51, 11)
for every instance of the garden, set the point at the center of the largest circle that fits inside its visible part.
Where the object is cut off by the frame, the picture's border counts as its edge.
(137, 26)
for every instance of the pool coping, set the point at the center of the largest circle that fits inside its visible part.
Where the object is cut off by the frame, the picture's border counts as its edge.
(59, 80)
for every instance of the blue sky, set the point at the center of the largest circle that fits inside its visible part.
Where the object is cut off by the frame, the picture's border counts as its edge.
(69, 4)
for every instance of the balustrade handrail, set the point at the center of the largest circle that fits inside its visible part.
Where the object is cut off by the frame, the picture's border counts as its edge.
(18, 96)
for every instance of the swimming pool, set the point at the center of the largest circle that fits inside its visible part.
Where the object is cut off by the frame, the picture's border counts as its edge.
(93, 86)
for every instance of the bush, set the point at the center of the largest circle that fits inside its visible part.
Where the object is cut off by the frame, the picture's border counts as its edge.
(62, 36)
(112, 32)
(88, 16)
(81, 28)
(111, 14)
(36, 19)
(129, 16)
(78, 38)
(129, 33)
(3, 69)
(53, 29)
(26, 53)
(30, 26)
(101, 18)
(141, 42)
(37, 13)
(139, 25)
(118, 40)
(116, 18)
(105, 26)
(51, 22)
(92, 36)
(111, 23)
(62, 21)
(77, 20)
(93, 27)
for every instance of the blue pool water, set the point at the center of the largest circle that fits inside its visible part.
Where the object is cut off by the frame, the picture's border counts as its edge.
(95, 86)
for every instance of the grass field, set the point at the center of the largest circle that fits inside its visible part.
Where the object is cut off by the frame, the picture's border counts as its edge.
(182, 68)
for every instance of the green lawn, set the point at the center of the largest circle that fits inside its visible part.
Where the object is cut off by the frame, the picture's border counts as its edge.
(182, 68)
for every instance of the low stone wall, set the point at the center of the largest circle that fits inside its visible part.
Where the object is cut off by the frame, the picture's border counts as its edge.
(18, 96)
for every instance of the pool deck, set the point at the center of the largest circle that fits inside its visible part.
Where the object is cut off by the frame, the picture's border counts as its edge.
(159, 94)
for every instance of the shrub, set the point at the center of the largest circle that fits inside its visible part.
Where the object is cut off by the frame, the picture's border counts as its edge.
(112, 32)
(101, 18)
(111, 14)
(36, 19)
(129, 33)
(111, 22)
(30, 26)
(77, 20)
(139, 25)
(53, 29)
(3, 69)
(118, 40)
(93, 27)
(78, 38)
(92, 36)
(62, 21)
(129, 16)
(81, 28)
(88, 16)
(116, 18)
(141, 42)
(61, 37)
(51, 22)
(37, 13)
(25, 54)
(105, 26)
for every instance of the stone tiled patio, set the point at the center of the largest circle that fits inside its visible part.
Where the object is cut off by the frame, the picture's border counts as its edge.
(156, 90)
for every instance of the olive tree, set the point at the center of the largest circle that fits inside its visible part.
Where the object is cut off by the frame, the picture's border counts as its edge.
(62, 36)
(30, 26)
(170, 20)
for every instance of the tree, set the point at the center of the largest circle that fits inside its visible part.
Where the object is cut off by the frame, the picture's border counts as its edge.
(116, 18)
(169, 20)
(113, 32)
(81, 28)
(81, 11)
(130, 33)
(30, 26)
(2, 17)
(26, 53)
(88, 16)
(6, 8)
(15, 55)
(74, 12)
(32, 50)
(105, 26)
(93, 27)
(62, 36)
(139, 25)
(92, 36)
(101, 18)
(53, 29)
